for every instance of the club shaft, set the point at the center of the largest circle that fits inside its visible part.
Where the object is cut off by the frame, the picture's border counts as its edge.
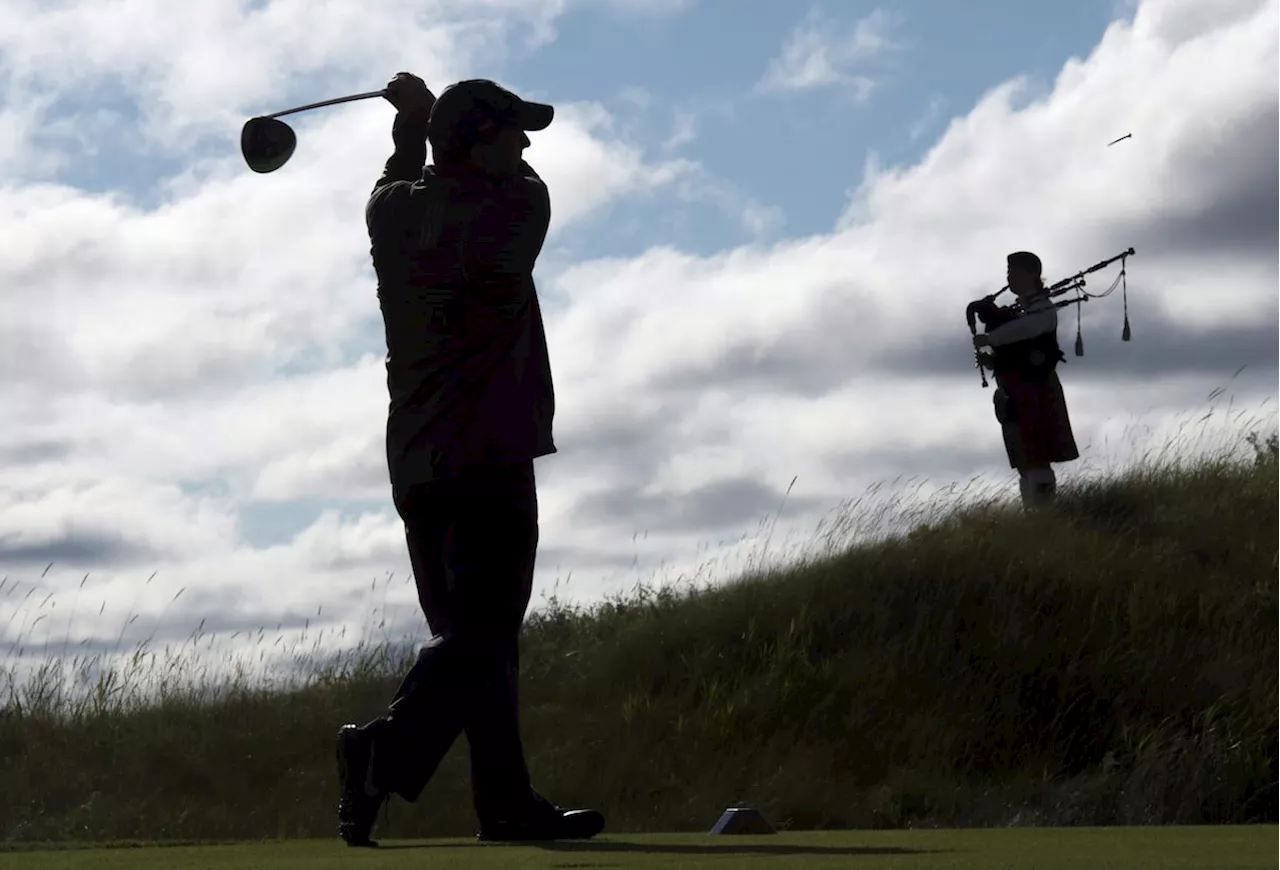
(365, 96)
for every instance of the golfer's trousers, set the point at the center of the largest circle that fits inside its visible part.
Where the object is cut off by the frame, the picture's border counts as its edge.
(472, 544)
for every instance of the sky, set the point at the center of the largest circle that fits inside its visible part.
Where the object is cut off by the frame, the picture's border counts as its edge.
(767, 218)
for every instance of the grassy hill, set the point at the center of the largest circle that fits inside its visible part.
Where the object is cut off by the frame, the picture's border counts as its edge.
(1112, 661)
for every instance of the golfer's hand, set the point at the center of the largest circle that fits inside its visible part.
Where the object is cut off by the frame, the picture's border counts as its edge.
(407, 93)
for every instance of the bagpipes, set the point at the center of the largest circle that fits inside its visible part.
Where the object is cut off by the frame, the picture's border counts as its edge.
(993, 315)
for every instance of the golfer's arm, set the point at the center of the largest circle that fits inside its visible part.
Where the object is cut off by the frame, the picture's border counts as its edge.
(409, 134)
(505, 237)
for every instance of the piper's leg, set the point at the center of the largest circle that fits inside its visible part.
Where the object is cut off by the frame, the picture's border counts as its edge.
(1040, 485)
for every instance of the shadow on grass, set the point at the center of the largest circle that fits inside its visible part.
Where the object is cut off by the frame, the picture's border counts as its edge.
(11, 846)
(729, 848)
(690, 848)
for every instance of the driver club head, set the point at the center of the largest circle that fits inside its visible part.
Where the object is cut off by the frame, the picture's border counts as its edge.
(267, 143)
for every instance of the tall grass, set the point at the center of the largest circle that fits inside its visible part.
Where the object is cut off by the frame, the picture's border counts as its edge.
(1113, 660)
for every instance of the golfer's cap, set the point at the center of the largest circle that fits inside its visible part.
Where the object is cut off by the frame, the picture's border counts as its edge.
(467, 110)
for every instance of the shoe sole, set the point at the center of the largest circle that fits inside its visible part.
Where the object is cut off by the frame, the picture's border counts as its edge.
(580, 825)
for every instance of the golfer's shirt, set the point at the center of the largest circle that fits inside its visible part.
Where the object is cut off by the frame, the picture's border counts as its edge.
(467, 366)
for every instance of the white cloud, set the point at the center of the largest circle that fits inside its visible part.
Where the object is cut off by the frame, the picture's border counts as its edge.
(927, 117)
(44, 507)
(584, 169)
(332, 543)
(160, 55)
(820, 53)
(684, 131)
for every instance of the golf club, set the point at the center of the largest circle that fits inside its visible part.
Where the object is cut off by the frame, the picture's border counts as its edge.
(267, 143)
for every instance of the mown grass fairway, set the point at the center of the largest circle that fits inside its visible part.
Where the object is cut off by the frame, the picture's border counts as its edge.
(1219, 847)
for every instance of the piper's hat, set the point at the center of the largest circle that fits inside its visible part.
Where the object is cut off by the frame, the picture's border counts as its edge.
(1026, 261)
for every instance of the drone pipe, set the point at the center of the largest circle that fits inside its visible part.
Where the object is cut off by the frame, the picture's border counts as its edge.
(1076, 277)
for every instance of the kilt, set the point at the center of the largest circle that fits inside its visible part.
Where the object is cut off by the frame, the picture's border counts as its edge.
(1033, 416)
